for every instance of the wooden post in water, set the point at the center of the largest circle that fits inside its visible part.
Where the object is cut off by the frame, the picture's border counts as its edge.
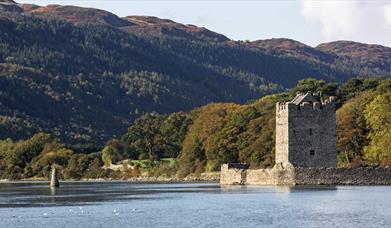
(54, 182)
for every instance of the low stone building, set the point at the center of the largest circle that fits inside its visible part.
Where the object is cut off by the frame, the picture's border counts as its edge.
(306, 152)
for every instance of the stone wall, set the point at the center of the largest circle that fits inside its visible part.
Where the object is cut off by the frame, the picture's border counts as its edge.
(282, 129)
(306, 134)
(241, 175)
(233, 174)
(312, 135)
(343, 176)
(279, 175)
(260, 177)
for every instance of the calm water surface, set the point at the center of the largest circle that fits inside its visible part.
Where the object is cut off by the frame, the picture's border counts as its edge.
(108, 204)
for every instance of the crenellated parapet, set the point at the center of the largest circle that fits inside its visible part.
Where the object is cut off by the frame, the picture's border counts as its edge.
(285, 107)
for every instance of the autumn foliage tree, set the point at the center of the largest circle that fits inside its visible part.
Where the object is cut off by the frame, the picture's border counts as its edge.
(377, 114)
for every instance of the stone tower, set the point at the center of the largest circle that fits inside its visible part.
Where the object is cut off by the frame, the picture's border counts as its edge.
(305, 132)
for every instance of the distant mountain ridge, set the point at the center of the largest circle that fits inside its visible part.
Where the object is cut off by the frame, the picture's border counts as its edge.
(85, 74)
(136, 24)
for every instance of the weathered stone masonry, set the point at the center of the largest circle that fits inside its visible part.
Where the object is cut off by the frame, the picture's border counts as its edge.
(305, 132)
(305, 151)
(306, 176)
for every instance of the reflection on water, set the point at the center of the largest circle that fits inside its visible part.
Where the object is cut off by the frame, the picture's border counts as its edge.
(274, 189)
(121, 204)
(288, 189)
(52, 191)
(28, 194)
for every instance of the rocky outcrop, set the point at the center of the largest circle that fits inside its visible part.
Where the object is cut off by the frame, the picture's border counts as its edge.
(9, 6)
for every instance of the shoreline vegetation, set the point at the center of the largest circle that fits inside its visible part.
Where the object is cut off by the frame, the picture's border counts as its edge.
(185, 146)
(210, 178)
(108, 97)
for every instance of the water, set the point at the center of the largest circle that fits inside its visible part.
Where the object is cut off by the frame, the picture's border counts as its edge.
(108, 204)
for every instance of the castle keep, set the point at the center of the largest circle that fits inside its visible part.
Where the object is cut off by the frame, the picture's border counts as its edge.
(305, 132)
(306, 152)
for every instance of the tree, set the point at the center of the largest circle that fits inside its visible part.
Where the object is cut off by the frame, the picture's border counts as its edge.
(53, 152)
(173, 131)
(377, 115)
(352, 130)
(20, 154)
(350, 89)
(106, 156)
(25, 151)
(314, 85)
(193, 160)
(144, 139)
(229, 141)
(113, 152)
(77, 166)
(355, 86)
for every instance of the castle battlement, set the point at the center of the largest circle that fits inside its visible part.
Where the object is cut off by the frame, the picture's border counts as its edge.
(306, 102)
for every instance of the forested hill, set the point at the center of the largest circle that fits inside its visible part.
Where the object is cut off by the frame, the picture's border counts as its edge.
(85, 74)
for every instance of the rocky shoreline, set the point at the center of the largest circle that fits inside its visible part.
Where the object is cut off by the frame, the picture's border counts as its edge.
(191, 179)
(240, 174)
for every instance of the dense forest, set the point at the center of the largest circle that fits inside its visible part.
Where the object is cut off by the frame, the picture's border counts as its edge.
(190, 143)
(84, 75)
(91, 91)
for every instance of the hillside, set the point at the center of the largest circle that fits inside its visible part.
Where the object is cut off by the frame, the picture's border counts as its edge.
(191, 143)
(84, 74)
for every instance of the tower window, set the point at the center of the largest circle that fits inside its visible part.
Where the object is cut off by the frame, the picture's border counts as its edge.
(310, 131)
(312, 152)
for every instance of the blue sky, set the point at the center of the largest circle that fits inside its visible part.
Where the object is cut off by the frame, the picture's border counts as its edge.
(309, 21)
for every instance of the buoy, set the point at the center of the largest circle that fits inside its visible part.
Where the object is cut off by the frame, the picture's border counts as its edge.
(54, 182)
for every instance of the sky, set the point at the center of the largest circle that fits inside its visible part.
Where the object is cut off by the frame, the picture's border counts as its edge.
(309, 21)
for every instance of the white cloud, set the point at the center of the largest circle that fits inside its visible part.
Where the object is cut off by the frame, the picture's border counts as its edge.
(387, 14)
(356, 20)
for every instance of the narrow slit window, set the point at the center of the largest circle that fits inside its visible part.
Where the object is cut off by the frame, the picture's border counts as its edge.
(312, 152)
(310, 131)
